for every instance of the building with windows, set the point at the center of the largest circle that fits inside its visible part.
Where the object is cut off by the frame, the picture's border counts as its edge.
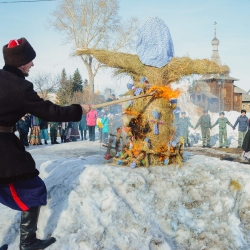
(217, 92)
(246, 101)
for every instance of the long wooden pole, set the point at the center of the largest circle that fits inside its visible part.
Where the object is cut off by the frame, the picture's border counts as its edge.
(105, 104)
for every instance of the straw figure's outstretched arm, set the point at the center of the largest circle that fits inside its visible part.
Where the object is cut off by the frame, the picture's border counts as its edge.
(173, 71)
(125, 63)
(185, 66)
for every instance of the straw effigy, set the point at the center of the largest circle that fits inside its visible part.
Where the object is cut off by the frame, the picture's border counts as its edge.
(173, 71)
(150, 139)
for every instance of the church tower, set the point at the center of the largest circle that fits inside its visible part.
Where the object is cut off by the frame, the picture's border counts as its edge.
(215, 53)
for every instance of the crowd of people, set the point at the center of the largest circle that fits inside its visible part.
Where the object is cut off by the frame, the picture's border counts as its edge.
(183, 123)
(35, 131)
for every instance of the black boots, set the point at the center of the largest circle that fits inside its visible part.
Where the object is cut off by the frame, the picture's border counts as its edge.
(28, 227)
(4, 247)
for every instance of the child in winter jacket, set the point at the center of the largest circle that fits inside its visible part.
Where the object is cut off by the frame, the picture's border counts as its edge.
(105, 128)
(242, 128)
(223, 122)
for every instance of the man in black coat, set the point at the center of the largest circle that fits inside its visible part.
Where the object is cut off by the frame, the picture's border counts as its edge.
(20, 187)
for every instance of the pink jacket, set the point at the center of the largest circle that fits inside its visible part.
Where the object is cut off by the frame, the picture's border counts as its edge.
(91, 117)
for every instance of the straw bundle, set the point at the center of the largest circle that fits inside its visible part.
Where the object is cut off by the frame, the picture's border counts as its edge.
(175, 70)
(150, 138)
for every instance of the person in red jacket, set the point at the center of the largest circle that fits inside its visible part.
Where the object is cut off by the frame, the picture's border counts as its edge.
(20, 186)
(91, 119)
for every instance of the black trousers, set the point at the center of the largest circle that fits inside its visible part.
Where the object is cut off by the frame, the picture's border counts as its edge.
(24, 139)
(91, 133)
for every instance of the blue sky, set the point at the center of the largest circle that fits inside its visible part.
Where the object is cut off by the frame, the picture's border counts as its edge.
(190, 23)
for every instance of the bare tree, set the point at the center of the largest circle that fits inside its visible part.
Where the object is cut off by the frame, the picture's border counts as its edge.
(44, 84)
(86, 96)
(93, 24)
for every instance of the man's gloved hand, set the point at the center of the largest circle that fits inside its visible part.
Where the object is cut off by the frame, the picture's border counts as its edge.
(85, 108)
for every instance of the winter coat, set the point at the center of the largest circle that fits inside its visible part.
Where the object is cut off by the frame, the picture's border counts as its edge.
(54, 125)
(83, 123)
(105, 124)
(222, 123)
(91, 117)
(23, 126)
(183, 124)
(99, 123)
(17, 98)
(43, 124)
(34, 121)
(75, 125)
(243, 123)
(204, 122)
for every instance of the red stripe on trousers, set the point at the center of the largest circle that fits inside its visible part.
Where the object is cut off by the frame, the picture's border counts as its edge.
(16, 198)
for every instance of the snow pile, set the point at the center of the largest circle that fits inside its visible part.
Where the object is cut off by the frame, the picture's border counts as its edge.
(96, 206)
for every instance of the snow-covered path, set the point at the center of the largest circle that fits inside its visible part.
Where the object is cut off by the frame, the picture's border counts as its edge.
(92, 205)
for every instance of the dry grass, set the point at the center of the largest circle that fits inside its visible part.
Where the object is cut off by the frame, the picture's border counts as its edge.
(139, 117)
(176, 69)
(235, 185)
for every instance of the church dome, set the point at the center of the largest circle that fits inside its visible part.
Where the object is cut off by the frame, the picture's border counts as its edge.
(215, 41)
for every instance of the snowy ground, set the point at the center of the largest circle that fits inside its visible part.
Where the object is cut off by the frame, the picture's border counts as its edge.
(92, 205)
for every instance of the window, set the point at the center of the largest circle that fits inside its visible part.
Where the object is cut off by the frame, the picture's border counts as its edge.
(243, 106)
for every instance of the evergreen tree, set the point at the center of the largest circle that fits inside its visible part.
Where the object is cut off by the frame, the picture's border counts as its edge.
(63, 91)
(77, 82)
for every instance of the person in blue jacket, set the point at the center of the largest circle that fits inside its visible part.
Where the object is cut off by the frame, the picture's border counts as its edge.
(242, 120)
(105, 128)
(20, 186)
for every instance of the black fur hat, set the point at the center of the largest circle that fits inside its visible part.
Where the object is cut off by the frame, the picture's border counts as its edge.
(18, 52)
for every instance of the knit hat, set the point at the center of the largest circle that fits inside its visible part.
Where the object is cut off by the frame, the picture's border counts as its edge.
(18, 52)
(205, 111)
(183, 113)
(222, 113)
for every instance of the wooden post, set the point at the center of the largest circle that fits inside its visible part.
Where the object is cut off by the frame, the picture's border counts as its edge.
(105, 104)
